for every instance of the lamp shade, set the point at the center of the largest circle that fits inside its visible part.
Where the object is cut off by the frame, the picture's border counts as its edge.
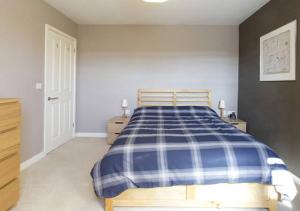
(124, 103)
(222, 104)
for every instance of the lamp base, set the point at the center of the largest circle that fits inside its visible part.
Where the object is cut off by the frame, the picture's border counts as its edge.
(222, 112)
(124, 113)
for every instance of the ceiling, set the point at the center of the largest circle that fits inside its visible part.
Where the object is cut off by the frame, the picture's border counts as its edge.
(203, 12)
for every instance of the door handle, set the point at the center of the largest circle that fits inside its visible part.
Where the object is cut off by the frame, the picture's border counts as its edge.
(52, 98)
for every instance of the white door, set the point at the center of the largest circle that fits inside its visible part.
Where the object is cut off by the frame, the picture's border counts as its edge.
(60, 57)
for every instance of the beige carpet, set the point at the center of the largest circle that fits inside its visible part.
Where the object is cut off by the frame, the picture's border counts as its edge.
(61, 181)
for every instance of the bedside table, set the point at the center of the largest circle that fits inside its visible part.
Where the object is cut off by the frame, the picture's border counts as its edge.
(239, 124)
(114, 128)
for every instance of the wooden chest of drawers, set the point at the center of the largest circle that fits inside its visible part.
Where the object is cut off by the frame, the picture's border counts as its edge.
(10, 115)
(114, 128)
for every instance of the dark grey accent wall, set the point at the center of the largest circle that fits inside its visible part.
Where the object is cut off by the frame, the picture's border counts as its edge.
(272, 109)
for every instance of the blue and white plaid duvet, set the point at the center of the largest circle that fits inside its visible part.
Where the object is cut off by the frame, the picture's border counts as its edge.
(167, 146)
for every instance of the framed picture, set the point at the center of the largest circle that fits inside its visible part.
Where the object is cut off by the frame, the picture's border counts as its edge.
(278, 54)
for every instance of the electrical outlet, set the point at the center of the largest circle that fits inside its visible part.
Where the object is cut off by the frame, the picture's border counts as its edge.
(38, 85)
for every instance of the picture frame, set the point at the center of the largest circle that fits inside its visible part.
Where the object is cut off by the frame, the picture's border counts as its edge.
(278, 54)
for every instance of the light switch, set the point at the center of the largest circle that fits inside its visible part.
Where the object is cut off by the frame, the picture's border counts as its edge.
(38, 85)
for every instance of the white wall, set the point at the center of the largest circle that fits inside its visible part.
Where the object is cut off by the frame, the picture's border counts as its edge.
(115, 61)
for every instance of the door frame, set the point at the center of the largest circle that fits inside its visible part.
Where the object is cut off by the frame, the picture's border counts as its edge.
(49, 28)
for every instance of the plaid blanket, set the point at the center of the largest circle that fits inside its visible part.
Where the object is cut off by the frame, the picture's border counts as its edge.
(186, 145)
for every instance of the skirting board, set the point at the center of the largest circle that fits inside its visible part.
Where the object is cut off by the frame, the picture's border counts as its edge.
(91, 135)
(32, 160)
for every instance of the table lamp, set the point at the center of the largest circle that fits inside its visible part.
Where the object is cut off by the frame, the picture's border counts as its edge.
(124, 106)
(222, 106)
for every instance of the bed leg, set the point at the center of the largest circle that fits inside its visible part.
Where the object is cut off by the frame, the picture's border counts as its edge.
(273, 206)
(108, 205)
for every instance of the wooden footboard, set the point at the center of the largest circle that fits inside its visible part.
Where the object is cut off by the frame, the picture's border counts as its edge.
(200, 196)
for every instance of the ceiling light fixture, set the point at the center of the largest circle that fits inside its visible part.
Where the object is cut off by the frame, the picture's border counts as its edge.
(155, 1)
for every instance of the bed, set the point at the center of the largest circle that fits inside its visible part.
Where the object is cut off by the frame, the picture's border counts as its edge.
(177, 152)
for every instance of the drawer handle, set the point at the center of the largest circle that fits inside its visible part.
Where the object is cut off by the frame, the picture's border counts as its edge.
(8, 130)
(9, 156)
(119, 123)
(234, 123)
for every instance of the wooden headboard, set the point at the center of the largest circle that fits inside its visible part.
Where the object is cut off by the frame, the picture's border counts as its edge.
(174, 97)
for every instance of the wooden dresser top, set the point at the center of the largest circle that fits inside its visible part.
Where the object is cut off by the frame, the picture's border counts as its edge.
(8, 100)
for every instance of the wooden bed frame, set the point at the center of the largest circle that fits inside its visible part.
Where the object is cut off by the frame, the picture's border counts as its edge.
(199, 196)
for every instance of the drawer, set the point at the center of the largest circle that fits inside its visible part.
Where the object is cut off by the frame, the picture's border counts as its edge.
(9, 195)
(9, 169)
(116, 127)
(9, 115)
(238, 193)
(10, 151)
(241, 126)
(9, 139)
(155, 194)
(111, 137)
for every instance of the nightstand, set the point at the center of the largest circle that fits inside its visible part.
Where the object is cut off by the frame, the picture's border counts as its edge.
(239, 124)
(114, 128)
